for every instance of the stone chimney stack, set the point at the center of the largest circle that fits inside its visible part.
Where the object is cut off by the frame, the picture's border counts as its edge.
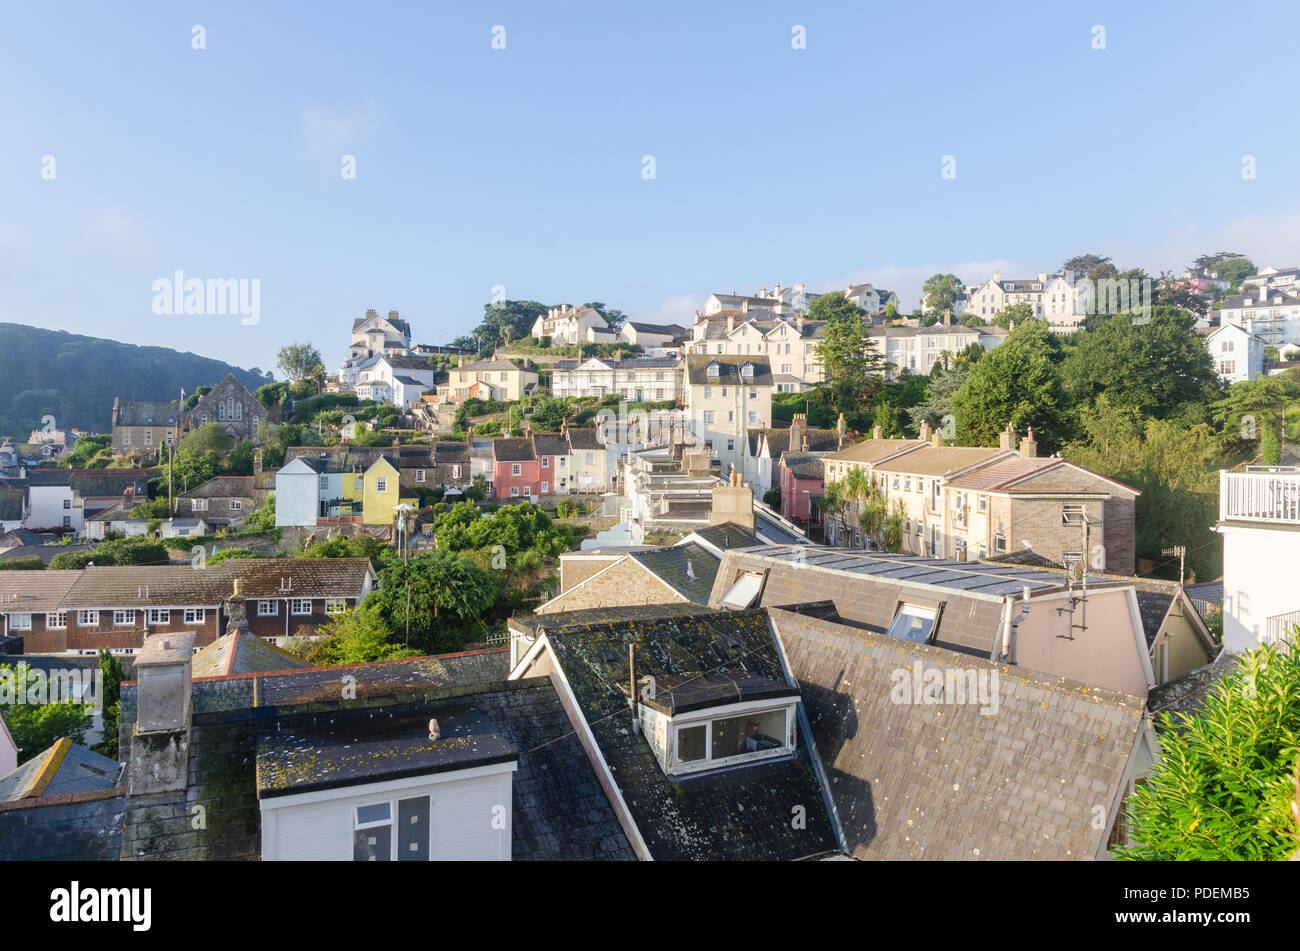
(1029, 445)
(925, 430)
(257, 462)
(877, 432)
(1042, 277)
(160, 746)
(842, 428)
(798, 322)
(997, 276)
(371, 313)
(936, 439)
(733, 502)
(798, 426)
(1007, 438)
(731, 322)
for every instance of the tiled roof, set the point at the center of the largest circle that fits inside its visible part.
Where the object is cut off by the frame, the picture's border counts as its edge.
(584, 439)
(550, 444)
(689, 569)
(873, 450)
(64, 768)
(728, 370)
(804, 465)
(741, 813)
(149, 414)
(728, 535)
(940, 461)
(819, 440)
(223, 487)
(43, 477)
(113, 482)
(998, 474)
(242, 653)
(39, 591)
(509, 449)
(11, 504)
(958, 780)
(673, 330)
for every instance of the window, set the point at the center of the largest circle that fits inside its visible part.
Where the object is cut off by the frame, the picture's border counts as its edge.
(335, 605)
(712, 370)
(195, 615)
(88, 618)
(907, 484)
(514, 491)
(372, 837)
(300, 606)
(198, 505)
(546, 462)
(20, 622)
(268, 608)
(591, 459)
(236, 505)
(753, 418)
(381, 485)
(709, 417)
(123, 618)
(67, 521)
(984, 503)
(160, 616)
(1071, 513)
(1000, 541)
(712, 741)
(324, 483)
(743, 591)
(56, 621)
(419, 475)
(67, 503)
(546, 487)
(753, 394)
(731, 445)
(708, 392)
(359, 484)
(515, 469)
(895, 484)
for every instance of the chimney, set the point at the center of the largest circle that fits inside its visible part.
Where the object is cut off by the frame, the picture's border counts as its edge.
(371, 313)
(841, 427)
(1007, 438)
(805, 443)
(936, 439)
(997, 275)
(731, 323)
(797, 427)
(257, 462)
(392, 315)
(877, 432)
(744, 306)
(925, 430)
(160, 746)
(1042, 277)
(798, 322)
(776, 289)
(733, 502)
(1028, 445)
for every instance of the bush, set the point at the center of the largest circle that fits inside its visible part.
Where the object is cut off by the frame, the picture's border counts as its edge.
(71, 560)
(26, 562)
(228, 554)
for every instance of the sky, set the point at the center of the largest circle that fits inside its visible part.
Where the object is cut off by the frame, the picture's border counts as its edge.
(789, 142)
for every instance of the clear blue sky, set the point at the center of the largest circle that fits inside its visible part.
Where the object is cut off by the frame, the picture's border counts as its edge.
(522, 167)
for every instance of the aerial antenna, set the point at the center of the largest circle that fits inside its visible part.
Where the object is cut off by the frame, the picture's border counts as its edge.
(1181, 552)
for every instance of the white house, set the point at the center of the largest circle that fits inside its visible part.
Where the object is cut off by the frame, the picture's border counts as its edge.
(1259, 519)
(871, 299)
(640, 379)
(727, 397)
(568, 325)
(299, 487)
(650, 335)
(52, 503)
(1238, 355)
(1272, 315)
(918, 349)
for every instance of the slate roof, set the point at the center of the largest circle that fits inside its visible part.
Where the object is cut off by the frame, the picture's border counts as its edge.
(35, 591)
(46, 477)
(492, 365)
(518, 449)
(1206, 595)
(584, 440)
(80, 827)
(728, 370)
(671, 565)
(559, 811)
(804, 465)
(947, 781)
(148, 413)
(673, 330)
(45, 552)
(65, 767)
(728, 535)
(242, 653)
(20, 537)
(550, 444)
(398, 362)
(223, 487)
(741, 813)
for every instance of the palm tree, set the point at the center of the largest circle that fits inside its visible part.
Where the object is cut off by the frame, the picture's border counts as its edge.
(893, 528)
(856, 491)
(833, 503)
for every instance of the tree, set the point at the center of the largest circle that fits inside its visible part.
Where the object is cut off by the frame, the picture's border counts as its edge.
(357, 636)
(1223, 786)
(847, 352)
(548, 415)
(1256, 409)
(1092, 266)
(941, 292)
(110, 669)
(1154, 368)
(1016, 314)
(887, 419)
(891, 311)
(240, 460)
(297, 360)
(1230, 266)
(939, 396)
(1019, 383)
(210, 437)
(35, 727)
(447, 595)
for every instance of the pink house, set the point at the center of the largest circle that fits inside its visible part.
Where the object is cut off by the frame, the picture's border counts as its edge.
(515, 468)
(801, 483)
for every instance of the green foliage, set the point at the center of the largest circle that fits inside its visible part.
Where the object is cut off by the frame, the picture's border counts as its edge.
(357, 636)
(228, 554)
(192, 400)
(1092, 266)
(772, 498)
(1253, 410)
(514, 527)
(88, 453)
(298, 360)
(1017, 382)
(447, 594)
(35, 727)
(1015, 314)
(939, 396)
(261, 522)
(1222, 788)
(847, 353)
(75, 378)
(941, 292)
(566, 508)
(210, 437)
(110, 667)
(362, 545)
(67, 560)
(26, 562)
(137, 550)
(548, 415)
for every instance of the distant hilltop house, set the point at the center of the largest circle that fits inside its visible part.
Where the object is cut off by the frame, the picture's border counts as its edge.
(1058, 298)
(1237, 353)
(487, 380)
(569, 325)
(373, 335)
(1271, 313)
(144, 427)
(872, 300)
(789, 342)
(779, 300)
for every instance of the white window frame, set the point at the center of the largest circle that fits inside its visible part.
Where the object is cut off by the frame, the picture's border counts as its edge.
(195, 615)
(419, 475)
(198, 505)
(381, 485)
(706, 718)
(516, 469)
(56, 621)
(236, 505)
(20, 621)
(268, 607)
(514, 491)
(335, 605)
(87, 618)
(123, 617)
(160, 616)
(295, 603)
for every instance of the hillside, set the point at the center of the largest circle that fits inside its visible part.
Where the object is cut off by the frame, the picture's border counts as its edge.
(75, 378)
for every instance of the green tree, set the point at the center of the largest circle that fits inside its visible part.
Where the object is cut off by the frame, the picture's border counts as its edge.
(298, 360)
(110, 668)
(548, 415)
(357, 636)
(1155, 368)
(1019, 383)
(939, 396)
(210, 437)
(35, 727)
(1092, 266)
(1255, 410)
(1222, 788)
(940, 293)
(847, 352)
(448, 595)
(1016, 314)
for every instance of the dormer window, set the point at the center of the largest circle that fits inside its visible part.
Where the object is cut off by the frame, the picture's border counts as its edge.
(713, 370)
(723, 736)
(747, 371)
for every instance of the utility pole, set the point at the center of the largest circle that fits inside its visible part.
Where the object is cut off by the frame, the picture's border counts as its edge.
(171, 456)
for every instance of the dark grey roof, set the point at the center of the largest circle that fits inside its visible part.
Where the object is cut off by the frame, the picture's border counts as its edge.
(64, 768)
(728, 535)
(689, 569)
(673, 330)
(43, 477)
(148, 414)
(805, 465)
(86, 827)
(584, 439)
(550, 444)
(517, 449)
(223, 487)
(11, 504)
(922, 780)
(1206, 595)
(729, 368)
(740, 813)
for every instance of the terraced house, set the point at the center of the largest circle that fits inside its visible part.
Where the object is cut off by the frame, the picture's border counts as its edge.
(974, 502)
(116, 607)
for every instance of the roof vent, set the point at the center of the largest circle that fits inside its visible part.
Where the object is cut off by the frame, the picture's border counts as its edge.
(435, 731)
(690, 571)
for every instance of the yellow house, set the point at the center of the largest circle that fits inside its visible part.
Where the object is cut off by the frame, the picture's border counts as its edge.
(381, 493)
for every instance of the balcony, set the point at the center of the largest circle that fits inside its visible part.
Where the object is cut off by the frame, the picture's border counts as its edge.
(1279, 628)
(1260, 495)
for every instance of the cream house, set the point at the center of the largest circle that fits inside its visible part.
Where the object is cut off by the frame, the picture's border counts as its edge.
(568, 325)
(727, 395)
(487, 380)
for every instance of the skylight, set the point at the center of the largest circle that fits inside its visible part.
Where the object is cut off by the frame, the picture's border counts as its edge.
(913, 622)
(744, 591)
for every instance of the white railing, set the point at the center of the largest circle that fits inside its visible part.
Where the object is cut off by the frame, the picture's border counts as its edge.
(1272, 496)
(1279, 628)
